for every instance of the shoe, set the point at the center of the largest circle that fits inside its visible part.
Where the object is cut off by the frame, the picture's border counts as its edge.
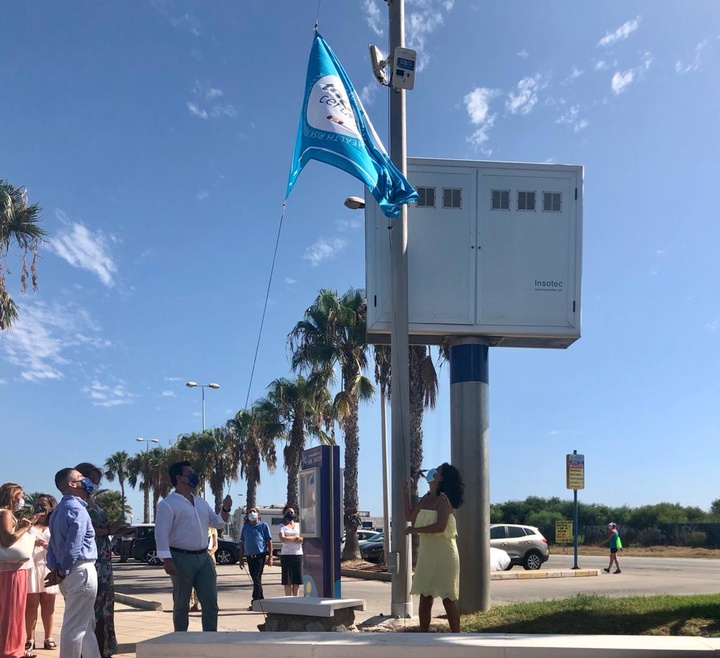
(251, 609)
(617, 571)
(49, 644)
(29, 645)
(607, 570)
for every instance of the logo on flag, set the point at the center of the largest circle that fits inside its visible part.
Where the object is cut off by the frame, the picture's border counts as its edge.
(334, 129)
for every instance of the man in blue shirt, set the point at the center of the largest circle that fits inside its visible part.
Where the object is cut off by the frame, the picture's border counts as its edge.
(71, 557)
(256, 546)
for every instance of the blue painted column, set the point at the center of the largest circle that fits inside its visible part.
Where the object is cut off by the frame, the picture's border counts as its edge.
(469, 435)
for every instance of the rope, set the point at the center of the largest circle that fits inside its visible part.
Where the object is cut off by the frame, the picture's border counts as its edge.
(267, 297)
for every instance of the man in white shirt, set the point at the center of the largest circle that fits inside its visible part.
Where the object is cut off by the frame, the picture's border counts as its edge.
(182, 522)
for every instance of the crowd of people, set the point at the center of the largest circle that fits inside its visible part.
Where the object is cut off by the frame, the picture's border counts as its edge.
(64, 547)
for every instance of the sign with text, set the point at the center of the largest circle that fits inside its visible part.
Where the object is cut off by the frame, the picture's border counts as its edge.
(575, 471)
(563, 532)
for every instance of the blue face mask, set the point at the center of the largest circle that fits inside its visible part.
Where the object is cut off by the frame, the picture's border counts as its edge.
(290, 517)
(193, 480)
(430, 475)
(88, 485)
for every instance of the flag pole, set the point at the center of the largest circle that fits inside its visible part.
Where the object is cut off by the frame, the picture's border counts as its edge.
(399, 340)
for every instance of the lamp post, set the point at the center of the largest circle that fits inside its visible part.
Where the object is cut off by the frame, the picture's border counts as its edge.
(212, 385)
(147, 442)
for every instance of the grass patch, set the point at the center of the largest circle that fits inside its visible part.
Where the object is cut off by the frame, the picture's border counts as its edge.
(589, 614)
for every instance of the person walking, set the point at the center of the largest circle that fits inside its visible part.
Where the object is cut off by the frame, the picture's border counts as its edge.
(437, 573)
(291, 553)
(71, 556)
(615, 545)
(13, 575)
(38, 594)
(256, 546)
(182, 523)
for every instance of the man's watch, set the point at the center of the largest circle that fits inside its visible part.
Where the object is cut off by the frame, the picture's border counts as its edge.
(227, 511)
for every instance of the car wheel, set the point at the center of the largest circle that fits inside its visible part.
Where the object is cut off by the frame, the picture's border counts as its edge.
(532, 561)
(224, 556)
(508, 567)
(151, 557)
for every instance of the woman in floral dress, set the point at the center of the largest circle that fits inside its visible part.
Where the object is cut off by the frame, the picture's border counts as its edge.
(105, 601)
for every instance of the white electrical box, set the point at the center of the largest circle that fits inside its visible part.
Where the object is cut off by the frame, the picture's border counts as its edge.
(494, 250)
(403, 69)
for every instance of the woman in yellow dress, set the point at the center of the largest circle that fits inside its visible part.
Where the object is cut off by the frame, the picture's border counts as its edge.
(437, 573)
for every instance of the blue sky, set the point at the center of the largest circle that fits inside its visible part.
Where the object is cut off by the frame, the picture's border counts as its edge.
(157, 138)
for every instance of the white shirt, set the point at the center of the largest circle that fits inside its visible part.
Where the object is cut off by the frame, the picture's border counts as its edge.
(292, 547)
(180, 524)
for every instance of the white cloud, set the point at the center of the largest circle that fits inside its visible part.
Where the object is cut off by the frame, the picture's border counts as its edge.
(523, 101)
(623, 32)
(348, 224)
(103, 395)
(188, 22)
(194, 109)
(369, 92)
(422, 18)
(621, 80)
(572, 117)
(713, 325)
(601, 65)
(202, 195)
(374, 16)
(169, 394)
(3, 381)
(523, 53)
(204, 103)
(682, 69)
(290, 281)
(44, 339)
(174, 379)
(324, 249)
(83, 248)
(477, 104)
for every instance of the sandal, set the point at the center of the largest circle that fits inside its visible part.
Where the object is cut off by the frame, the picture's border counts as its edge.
(30, 654)
(29, 645)
(49, 644)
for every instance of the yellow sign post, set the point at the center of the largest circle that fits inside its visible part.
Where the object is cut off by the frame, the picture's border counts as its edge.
(575, 471)
(563, 532)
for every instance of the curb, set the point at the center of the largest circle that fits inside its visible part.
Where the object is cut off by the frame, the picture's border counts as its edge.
(495, 575)
(135, 602)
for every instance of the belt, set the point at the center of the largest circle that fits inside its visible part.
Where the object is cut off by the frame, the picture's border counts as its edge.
(186, 552)
(257, 555)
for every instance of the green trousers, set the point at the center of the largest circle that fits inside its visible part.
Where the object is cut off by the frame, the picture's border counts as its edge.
(196, 571)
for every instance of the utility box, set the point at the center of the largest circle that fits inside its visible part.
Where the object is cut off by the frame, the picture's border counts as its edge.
(494, 250)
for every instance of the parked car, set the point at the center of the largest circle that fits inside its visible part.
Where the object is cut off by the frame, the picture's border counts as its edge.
(524, 544)
(373, 548)
(143, 547)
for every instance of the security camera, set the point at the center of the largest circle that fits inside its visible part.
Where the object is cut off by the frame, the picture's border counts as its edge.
(378, 64)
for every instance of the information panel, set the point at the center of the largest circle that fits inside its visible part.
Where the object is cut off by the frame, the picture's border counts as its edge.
(575, 471)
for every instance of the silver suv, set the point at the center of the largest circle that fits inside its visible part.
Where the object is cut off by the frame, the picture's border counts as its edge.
(524, 544)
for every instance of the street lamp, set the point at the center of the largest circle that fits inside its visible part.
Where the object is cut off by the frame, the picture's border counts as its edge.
(203, 387)
(147, 442)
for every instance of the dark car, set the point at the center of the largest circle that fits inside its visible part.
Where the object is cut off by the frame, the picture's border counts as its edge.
(373, 549)
(144, 548)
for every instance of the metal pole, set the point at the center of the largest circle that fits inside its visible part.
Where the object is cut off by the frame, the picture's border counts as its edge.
(202, 388)
(575, 529)
(400, 393)
(386, 513)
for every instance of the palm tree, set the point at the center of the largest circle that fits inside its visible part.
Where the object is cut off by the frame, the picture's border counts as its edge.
(19, 224)
(333, 333)
(214, 459)
(116, 465)
(302, 407)
(140, 473)
(253, 433)
(423, 395)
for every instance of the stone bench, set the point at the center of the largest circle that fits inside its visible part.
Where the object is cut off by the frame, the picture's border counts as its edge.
(308, 613)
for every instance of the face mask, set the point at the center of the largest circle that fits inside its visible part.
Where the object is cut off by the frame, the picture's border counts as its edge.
(19, 504)
(88, 485)
(430, 475)
(290, 517)
(193, 480)
(252, 516)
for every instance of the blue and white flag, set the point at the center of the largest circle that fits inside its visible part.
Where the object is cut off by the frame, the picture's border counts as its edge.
(335, 129)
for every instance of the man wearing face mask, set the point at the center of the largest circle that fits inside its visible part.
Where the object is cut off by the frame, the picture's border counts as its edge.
(256, 546)
(71, 558)
(182, 522)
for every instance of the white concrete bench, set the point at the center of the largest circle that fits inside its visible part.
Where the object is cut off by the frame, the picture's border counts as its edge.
(307, 613)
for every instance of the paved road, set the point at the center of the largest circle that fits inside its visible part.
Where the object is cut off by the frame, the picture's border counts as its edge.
(645, 576)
